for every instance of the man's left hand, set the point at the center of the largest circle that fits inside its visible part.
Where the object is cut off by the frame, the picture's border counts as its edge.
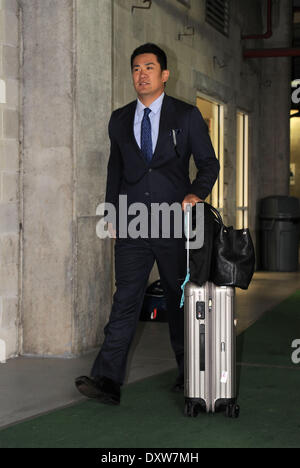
(190, 199)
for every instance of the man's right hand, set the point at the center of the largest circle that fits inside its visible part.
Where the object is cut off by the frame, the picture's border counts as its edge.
(112, 231)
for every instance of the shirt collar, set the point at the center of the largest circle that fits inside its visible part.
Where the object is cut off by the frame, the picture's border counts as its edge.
(155, 106)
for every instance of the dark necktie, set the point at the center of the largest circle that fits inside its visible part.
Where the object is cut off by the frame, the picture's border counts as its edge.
(146, 137)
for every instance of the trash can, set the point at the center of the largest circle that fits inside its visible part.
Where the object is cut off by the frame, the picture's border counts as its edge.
(280, 231)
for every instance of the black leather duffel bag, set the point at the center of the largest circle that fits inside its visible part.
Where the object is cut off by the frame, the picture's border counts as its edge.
(227, 257)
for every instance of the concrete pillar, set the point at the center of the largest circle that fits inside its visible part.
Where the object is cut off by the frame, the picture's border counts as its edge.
(9, 177)
(66, 107)
(93, 110)
(275, 106)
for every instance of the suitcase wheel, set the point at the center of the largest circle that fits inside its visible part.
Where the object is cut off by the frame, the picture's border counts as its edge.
(191, 409)
(232, 411)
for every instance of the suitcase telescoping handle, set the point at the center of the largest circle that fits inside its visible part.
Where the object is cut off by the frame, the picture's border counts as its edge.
(187, 233)
(187, 214)
(200, 313)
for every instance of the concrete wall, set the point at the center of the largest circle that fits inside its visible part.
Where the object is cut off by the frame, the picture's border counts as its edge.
(56, 281)
(275, 101)
(48, 266)
(66, 107)
(93, 110)
(9, 176)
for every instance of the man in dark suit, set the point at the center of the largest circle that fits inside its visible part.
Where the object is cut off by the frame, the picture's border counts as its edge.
(152, 140)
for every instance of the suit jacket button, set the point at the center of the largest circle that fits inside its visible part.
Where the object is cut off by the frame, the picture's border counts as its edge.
(147, 194)
(150, 170)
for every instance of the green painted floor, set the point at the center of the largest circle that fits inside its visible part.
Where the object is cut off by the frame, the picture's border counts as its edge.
(150, 416)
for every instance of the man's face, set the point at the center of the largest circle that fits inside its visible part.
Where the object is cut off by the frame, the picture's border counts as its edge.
(148, 78)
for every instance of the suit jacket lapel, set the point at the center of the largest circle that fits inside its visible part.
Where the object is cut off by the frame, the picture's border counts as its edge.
(129, 131)
(168, 122)
(130, 126)
(163, 124)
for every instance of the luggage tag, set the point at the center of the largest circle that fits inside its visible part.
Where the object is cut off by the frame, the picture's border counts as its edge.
(154, 314)
(224, 377)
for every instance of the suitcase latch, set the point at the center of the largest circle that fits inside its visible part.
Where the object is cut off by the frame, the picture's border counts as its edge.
(200, 310)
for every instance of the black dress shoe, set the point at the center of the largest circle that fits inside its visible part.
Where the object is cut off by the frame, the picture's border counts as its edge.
(179, 384)
(102, 389)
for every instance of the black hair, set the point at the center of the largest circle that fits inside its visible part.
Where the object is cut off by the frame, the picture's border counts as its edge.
(150, 48)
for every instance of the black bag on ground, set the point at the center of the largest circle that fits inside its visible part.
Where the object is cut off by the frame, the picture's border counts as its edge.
(154, 307)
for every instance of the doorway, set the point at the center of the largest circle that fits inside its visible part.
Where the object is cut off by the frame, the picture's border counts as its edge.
(242, 165)
(213, 114)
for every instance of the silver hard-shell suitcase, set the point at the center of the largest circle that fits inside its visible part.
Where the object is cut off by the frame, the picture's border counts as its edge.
(210, 349)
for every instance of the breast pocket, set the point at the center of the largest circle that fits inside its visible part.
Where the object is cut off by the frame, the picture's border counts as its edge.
(179, 138)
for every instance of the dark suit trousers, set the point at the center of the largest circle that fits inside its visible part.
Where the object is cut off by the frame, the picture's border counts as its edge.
(134, 259)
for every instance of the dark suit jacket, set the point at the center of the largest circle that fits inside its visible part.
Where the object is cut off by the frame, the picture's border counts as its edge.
(166, 178)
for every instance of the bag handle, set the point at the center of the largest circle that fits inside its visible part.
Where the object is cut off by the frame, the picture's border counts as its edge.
(216, 213)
